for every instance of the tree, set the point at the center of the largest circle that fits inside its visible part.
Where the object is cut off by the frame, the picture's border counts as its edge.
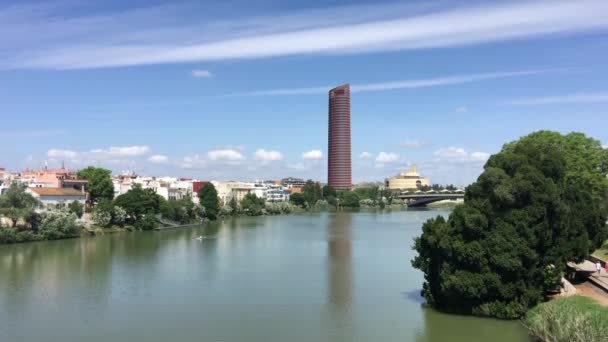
(329, 192)
(253, 205)
(16, 204)
(350, 199)
(297, 199)
(76, 208)
(138, 202)
(99, 184)
(209, 201)
(540, 202)
(312, 192)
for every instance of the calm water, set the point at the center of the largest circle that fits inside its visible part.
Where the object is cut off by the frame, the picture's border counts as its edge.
(313, 277)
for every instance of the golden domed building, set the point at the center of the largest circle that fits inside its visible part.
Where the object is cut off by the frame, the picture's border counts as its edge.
(407, 180)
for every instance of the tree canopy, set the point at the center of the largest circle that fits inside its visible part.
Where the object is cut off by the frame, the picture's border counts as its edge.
(540, 202)
(252, 204)
(312, 192)
(208, 199)
(138, 202)
(99, 183)
(16, 204)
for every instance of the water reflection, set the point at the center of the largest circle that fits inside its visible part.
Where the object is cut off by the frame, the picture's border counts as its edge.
(339, 231)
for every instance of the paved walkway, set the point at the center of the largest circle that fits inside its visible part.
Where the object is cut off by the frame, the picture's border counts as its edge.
(588, 267)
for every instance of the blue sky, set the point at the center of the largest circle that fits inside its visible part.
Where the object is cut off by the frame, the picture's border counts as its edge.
(235, 90)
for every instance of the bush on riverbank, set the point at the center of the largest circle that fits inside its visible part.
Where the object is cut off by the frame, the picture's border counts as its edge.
(573, 319)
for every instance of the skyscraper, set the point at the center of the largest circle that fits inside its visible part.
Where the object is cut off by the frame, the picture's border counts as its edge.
(339, 174)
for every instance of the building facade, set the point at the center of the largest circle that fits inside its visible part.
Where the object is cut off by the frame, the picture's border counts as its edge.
(339, 164)
(407, 180)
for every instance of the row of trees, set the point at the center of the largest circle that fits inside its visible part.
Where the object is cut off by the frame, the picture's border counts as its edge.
(540, 202)
(26, 224)
(314, 196)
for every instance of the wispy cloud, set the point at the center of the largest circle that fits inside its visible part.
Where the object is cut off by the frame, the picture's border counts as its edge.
(267, 156)
(313, 155)
(43, 133)
(415, 144)
(42, 38)
(561, 99)
(201, 73)
(402, 84)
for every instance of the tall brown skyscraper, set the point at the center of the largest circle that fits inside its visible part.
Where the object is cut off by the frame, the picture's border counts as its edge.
(339, 173)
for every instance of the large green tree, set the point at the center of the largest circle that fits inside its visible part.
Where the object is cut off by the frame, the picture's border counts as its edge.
(139, 202)
(208, 199)
(312, 192)
(100, 183)
(540, 202)
(17, 204)
(252, 205)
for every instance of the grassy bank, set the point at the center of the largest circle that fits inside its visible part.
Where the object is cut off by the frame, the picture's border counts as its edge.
(572, 319)
(602, 252)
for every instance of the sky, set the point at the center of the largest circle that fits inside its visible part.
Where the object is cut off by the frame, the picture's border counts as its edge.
(238, 89)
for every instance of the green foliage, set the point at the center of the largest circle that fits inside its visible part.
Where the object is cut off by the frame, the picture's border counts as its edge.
(329, 192)
(119, 216)
(572, 319)
(370, 192)
(349, 199)
(253, 205)
(59, 224)
(277, 208)
(209, 201)
(297, 199)
(312, 192)
(138, 202)
(17, 204)
(182, 211)
(147, 222)
(541, 201)
(76, 208)
(102, 218)
(99, 183)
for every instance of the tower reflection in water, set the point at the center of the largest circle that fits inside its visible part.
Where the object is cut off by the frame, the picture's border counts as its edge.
(339, 235)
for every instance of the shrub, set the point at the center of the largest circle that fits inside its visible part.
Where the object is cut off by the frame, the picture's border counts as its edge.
(59, 225)
(8, 235)
(102, 218)
(147, 222)
(119, 216)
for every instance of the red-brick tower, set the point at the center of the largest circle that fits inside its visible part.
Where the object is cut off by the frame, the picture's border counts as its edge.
(339, 165)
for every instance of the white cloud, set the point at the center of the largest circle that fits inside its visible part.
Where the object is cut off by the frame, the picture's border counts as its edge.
(194, 161)
(313, 155)
(562, 99)
(267, 156)
(387, 157)
(451, 152)
(225, 155)
(201, 73)
(459, 154)
(158, 159)
(462, 109)
(414, 144)
(365, 155)
(121, 151)
(402, 84)
(58, 153)
(479, 156)
(155, 35)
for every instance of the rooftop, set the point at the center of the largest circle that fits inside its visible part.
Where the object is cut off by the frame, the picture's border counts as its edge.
(57, 192)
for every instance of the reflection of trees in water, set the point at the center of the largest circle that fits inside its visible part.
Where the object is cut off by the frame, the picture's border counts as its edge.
(339, 237)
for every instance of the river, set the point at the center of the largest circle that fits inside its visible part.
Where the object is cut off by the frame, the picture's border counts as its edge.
(308, 277)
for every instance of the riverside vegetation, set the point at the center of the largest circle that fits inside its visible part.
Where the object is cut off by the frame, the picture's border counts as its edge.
(540, 202)
(143, 209)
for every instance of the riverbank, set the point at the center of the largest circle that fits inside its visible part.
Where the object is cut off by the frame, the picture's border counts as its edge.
(572, 319)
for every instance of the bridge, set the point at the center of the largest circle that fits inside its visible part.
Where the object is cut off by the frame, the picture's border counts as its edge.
(420, 199)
